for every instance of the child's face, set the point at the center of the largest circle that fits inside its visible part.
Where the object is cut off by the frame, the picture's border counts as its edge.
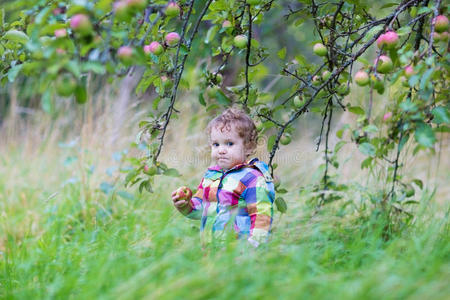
(227, 148)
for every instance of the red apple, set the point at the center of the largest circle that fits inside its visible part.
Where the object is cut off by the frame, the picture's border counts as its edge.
(60, 33)
(388, 40)
(125, 54)
(387, 116)
(172, 39)
(184, 193)
(81, 24)
(361, 78)
(440, 23)
(320, 50)
(384, 64)
(172, 9)
(154, 47)
(409, 71)
(226, 24)
(122, 11)
(240, 41)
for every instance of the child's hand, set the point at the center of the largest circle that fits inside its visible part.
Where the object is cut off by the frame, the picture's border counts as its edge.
(181, 198)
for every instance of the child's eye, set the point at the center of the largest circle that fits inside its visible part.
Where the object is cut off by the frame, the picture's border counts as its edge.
(230, 144)
(215, 144)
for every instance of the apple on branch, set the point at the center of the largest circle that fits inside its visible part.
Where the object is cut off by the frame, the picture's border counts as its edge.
(172, 9)
(81, 24)
(320, 49)
(172, 39)
(154, 47)
(440, 23)
(240, 41)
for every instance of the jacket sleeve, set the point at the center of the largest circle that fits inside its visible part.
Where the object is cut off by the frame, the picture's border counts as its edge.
(259, 201)
(196, 204)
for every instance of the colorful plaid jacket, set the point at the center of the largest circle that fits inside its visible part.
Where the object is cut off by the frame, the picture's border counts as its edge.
(240, 199)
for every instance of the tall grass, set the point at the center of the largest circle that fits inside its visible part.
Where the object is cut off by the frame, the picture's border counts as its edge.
(69, 229)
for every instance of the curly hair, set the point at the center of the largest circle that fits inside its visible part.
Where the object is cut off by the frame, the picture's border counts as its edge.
(244, 125)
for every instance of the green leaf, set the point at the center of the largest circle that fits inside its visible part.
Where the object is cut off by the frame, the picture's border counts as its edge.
(370, 34)
(222, 99)
(16, 36)
(367, 149)
(282, 53)
(402, 142)
(46, 101)
(80, 94)
(271, 142)
(201, 99)
(125, 195)
(441, 115)
(357, 110)
(424, 10)
(95, 67)
(370, 128)
(424, 135)
(281, 204)
(211, 34)
(389, 5)
(404, 30)
(13, 72)
(172, 172)
(419, 183)
(339, 145)
(426, 78)
(366, 163)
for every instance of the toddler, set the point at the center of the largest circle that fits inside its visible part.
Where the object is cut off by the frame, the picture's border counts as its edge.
(236, 193)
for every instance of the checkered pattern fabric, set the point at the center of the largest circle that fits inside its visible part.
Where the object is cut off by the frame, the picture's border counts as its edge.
(239, 199)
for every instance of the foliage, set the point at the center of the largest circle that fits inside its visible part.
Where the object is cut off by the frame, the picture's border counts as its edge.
(51, 43)
(67, 239)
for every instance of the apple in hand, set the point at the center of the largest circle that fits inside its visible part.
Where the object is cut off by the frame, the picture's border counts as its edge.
(183, 193)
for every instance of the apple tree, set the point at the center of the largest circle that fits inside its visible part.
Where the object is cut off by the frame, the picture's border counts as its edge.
(397, 49)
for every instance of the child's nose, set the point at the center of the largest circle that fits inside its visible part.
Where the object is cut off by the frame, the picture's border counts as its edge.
(222, 150)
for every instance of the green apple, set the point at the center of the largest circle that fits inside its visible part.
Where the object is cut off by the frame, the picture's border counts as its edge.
(240, 41)
(65, 85)
(172, 9)
(320, 50)
(384, 65)
(285, 139)
(362, 78)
